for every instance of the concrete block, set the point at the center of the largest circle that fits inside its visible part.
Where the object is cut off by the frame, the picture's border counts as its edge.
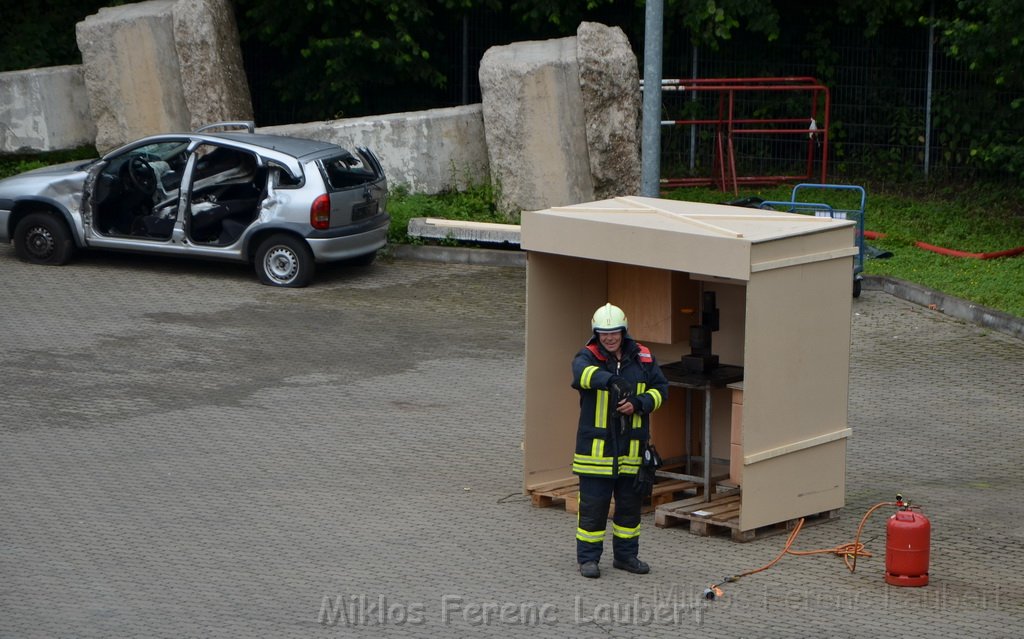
(535, 125)
(131, 72)
(610, 88)
(213, 78)
(44, 110)
(160, 66)
(427, 151)
(465, 231)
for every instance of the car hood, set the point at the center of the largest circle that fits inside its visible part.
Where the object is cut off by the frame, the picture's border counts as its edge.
(51, 181)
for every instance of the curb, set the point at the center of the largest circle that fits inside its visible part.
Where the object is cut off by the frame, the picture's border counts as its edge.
(458, 255)
(946, 304)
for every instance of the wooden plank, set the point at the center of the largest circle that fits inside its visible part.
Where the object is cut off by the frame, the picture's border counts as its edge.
(565, 493)
(558, 483)
(566, 496)
(732, 513)
(795, 446)
(715, 508)
(803, 259)
(541, 501)
(674, 486)
(710, 507)
(699, 499)
(722, 514)
(699, 528)
(744, 536)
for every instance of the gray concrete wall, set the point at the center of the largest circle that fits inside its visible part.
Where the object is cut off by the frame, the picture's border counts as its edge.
(427, 151)
(44, 110)
(560, 114)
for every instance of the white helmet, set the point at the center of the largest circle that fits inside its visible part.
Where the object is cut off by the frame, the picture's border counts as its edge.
(608, 319)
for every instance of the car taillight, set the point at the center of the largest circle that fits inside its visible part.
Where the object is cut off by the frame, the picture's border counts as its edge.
(320, 213)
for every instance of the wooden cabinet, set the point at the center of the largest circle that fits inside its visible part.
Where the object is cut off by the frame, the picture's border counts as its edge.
(660, 304)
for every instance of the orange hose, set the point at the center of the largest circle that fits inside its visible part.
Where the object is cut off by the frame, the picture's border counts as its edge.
(875, 235)
(789, 542)
(847, 551)
(977, 256)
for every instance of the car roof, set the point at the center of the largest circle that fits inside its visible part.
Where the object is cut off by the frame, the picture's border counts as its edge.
(295, 147)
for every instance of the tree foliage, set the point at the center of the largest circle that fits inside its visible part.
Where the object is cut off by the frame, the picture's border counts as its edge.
(321, 59)
(710, 22)
(42, 34)
(324, 58)
(988, 36)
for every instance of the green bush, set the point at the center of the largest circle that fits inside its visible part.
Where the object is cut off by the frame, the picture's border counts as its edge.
(14, 164)
(976, 218)
(476, 203)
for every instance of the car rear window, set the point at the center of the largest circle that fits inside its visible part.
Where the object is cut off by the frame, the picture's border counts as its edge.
(347, 170)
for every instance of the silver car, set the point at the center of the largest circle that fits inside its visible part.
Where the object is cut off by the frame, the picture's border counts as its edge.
(281, 203)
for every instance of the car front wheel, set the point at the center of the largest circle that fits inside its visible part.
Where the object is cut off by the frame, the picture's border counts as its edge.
(43, 238)
(284, 260)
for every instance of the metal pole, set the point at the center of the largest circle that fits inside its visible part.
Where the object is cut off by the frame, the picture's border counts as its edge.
(928, 96)
(707, 442)
(650, 175)
(465, 59)
(693, 128)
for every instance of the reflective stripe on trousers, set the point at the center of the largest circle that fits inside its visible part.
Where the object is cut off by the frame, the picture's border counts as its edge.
(594, 500)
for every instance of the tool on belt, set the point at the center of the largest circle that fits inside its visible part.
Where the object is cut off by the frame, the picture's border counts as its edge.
(650, 462)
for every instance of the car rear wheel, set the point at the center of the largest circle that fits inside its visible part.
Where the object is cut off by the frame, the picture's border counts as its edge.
(284, 260)
(43, 238)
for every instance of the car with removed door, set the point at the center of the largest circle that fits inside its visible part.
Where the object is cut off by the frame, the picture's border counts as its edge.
(222, 192)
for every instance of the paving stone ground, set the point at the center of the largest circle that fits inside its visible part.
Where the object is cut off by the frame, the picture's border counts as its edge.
(186, 453)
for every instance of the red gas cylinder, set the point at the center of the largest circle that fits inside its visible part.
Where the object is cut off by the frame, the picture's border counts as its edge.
(908, 541)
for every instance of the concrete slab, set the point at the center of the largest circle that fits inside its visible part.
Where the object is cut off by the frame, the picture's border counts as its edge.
(535, 125)
(425, 151)
(466, 231)
(44, 110)
(162, 65)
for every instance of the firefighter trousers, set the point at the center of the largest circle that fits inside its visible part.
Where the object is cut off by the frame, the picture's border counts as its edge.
(595, 498)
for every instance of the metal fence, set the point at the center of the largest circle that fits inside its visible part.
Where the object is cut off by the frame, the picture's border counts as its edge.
(900, 109)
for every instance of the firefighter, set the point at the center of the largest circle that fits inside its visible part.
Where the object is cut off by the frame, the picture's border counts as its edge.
(620, 385)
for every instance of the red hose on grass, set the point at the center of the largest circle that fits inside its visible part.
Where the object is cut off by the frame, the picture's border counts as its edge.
(874, 235)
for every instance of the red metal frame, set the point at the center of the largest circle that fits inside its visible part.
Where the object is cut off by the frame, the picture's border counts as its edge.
(728, 126)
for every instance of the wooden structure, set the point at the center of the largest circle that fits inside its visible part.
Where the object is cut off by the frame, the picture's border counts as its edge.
(782, 287)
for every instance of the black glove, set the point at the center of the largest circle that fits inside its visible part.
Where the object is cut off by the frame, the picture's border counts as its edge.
(619, 387)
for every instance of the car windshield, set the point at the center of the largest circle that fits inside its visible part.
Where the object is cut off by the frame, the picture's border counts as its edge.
(163, 150)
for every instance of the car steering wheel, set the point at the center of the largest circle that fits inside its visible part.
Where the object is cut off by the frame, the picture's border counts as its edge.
(142, 174)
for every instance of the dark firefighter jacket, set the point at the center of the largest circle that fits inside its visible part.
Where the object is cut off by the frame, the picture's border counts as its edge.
(608, 444)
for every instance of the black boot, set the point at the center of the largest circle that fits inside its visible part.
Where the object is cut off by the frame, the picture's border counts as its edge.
(590, 570)
(632, 565)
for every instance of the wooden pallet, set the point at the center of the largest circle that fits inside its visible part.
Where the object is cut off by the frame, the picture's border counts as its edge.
(565, 494)
(722, 514)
